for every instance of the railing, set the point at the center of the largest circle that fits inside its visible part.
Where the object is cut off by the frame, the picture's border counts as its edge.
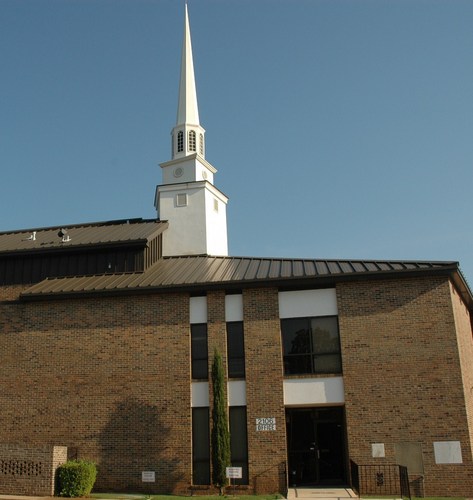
(382, 480)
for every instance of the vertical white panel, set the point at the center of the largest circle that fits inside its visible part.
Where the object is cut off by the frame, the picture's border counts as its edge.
(200, 394)
(198, 310)
(236, 393)
(234, 308)
(303, 303)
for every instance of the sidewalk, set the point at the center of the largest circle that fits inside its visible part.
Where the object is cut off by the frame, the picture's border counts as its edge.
(323, 494)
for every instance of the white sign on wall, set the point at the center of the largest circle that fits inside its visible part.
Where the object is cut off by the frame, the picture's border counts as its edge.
(377, 450)
(148, 476)
(234, 472)
(266, 424)
(448, 452)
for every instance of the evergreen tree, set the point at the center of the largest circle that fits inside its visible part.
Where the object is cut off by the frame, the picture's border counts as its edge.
(220, 432)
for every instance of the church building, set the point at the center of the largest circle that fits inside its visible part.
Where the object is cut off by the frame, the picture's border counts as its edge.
(338, 372)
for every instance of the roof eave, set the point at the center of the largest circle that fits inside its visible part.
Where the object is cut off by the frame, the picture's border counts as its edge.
(323, 281)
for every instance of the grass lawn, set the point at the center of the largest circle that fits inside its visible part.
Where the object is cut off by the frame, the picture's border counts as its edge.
(414, 498)
(141, 496)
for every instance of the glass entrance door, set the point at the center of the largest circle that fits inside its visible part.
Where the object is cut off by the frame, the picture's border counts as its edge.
(316, 449)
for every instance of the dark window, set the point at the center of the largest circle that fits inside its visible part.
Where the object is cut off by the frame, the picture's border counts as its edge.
(191, 140)
(180, 141)
(239, 442)
(199, 351)
(311, 345)
(200, 446)
(235, 349)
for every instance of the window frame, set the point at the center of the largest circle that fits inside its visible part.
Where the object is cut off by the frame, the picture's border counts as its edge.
(239, 440)
(201, 446)
(312, 353)
(198, 359)
(233, 360)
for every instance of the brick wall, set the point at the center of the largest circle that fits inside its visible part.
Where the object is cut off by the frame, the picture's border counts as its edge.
(29, 470)
(402, 375)
(264, 382)
(109, 377)
(465, 343)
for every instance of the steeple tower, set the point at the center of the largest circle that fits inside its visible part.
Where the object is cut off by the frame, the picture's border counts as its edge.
(187, 199)
(188, 135)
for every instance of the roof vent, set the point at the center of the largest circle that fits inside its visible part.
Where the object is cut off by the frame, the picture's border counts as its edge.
(63, 234)
(31, 237)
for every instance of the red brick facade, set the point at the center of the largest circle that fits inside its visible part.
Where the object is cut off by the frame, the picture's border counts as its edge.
(403, 376)
(30, 470)
(109, 378)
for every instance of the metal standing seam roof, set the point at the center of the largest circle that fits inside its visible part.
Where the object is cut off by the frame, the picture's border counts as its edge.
(97, 233)
(194, 272)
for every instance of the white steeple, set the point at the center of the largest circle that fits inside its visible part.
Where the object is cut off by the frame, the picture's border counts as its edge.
(187, 108)
(187, 136)
(194, 207)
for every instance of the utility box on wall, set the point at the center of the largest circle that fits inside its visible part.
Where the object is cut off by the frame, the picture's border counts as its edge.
(29, 471)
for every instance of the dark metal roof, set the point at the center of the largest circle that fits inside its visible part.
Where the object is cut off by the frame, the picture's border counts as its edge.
(204, 272)
(128, 231)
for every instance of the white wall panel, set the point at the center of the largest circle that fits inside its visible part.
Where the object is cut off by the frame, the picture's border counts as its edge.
(198, 310)
(303, 303)
(234, 308)
(236, 393)
(200, 394)
(326, 390)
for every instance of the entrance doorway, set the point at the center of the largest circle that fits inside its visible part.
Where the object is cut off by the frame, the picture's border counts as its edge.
(316, 446)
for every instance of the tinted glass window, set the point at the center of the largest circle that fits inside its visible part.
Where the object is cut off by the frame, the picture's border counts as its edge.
(236, 349)
(311, 345)
(200, 446)
(199, 351)
(239, 442)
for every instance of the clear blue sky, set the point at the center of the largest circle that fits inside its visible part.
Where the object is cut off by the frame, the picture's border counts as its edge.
(339, 128)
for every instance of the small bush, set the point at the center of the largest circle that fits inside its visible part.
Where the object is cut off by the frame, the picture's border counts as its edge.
(76, 478)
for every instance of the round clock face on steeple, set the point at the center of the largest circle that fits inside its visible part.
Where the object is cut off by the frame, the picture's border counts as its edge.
(178, 172)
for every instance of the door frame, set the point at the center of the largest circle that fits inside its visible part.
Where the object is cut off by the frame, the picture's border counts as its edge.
(318, 481)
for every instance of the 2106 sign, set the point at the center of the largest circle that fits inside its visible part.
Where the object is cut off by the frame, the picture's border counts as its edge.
(266, 424)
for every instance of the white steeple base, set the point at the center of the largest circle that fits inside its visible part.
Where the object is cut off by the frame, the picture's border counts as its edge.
(196, 212)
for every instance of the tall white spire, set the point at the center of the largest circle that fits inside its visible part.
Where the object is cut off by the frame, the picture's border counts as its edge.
(187, 198)
(187, 108)
(188, 137)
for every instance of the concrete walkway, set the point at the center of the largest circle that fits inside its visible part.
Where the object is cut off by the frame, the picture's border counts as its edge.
(322, 494)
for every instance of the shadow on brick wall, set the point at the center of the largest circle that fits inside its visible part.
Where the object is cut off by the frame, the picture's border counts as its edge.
(134, 441)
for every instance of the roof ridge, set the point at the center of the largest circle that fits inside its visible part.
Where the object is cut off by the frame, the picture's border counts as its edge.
(113, 222)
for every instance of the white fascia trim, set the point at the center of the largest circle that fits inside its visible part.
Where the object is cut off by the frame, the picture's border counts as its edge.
(193, 186)
(194, 156)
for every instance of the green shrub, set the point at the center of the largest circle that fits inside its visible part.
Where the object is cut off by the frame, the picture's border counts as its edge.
(76, 478)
